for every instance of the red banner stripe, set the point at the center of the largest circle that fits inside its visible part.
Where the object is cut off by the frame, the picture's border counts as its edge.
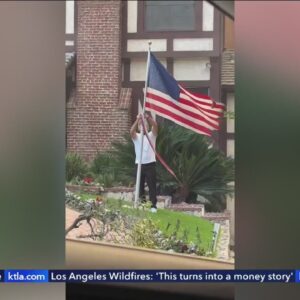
(175, 117)
(158, 155)
(181, 109)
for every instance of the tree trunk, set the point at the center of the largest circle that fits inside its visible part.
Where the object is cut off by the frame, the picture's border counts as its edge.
(181, 194)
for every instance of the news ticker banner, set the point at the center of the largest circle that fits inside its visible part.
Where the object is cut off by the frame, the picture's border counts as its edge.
(97, 276)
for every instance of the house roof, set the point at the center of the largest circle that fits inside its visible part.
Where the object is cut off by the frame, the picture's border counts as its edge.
(226, 7)
(227, 73)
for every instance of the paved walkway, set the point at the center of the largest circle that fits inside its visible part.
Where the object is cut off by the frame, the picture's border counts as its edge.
(84, 229)
(223, 244)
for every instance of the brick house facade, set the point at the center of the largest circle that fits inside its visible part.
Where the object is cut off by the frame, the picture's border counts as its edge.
(107, 42)
(95, 116)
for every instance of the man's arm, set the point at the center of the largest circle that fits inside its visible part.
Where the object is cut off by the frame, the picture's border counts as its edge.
(134, 127)
(153, 124)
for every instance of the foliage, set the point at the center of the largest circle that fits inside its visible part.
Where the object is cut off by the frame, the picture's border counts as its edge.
(124, 157)
(101, 163)
(75, 167)
(144, 234)
(104, 168)
(172, 231)
(168, 224)
(106, 179)
(217, 203)
(110, 223)
(87, 181)
(180, 244)
(74, 201)
(107, 171)
(200, 168)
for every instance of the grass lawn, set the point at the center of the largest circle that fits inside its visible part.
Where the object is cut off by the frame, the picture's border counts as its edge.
(188, 223)
(167, 220)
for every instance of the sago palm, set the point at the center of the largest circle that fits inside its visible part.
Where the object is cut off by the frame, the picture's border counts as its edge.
(200, 169)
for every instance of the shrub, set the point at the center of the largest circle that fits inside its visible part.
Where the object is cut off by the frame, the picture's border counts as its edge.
(107, 170)
(180, 244)
(102, 163)
(106, 179)
(75, 166)
(201, 169)
(74, 201)
(144, 234)
(104, 168)
(124, 157)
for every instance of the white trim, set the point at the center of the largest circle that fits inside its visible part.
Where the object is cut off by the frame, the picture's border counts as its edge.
(138, 45)
(132, 11)
(69, 25)
(69, 43)
(207, 17)
(196, 44)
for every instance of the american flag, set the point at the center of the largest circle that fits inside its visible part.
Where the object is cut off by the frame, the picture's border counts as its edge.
(169, 100)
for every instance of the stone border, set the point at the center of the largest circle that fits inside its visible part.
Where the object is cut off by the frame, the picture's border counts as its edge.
(124, 193)
(91, 189)
(217, 217)
(127, 193)
(98, 189)
(194, 209)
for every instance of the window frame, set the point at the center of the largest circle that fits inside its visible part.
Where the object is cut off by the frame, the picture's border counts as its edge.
(142, 20)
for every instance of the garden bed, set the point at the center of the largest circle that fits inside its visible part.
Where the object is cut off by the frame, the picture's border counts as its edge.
(124, 193)
(177, 231)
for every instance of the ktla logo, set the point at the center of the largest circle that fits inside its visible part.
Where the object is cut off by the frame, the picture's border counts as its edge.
(297, 276)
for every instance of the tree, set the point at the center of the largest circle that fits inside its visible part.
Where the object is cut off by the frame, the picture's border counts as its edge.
(200, 168)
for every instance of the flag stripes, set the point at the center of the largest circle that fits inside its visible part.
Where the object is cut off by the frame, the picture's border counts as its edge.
(177, 119)
(191, 114)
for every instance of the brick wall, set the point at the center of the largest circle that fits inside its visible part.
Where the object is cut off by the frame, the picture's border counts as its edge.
(94, 118)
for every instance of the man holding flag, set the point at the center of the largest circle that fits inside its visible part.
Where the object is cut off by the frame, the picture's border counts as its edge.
(148, 162)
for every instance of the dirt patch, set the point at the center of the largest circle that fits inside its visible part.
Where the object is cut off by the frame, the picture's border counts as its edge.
(84, 229)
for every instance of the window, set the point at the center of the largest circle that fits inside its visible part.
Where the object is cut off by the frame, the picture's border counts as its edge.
(170, 15)
(199, 90)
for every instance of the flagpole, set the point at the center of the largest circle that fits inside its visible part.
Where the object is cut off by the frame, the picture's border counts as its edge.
(139, 169)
